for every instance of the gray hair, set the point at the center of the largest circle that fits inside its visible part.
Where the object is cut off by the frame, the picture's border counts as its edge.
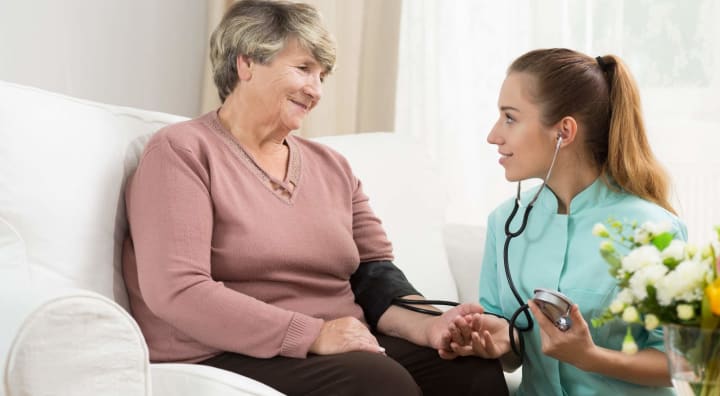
(259, 29)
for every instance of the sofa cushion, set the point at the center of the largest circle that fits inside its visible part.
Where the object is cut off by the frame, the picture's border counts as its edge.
(60, 185)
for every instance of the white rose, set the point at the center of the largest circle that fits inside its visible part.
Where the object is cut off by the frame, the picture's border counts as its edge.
(641, 236)
(644, 277)
(657, 228)
(651, 322)
(685, 311)
(617, 306)
(600, 230)
(630, 315)
(684, 283)
(640, 257)
(675, 251)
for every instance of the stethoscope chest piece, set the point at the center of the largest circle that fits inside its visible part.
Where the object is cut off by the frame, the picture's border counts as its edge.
(556, 306)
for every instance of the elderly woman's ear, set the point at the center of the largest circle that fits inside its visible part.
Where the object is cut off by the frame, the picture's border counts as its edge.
(244, 67)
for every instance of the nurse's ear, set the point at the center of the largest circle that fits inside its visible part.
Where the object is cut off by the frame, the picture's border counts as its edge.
(567, 130)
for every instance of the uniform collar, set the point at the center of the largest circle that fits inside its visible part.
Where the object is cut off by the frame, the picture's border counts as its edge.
(596, 194)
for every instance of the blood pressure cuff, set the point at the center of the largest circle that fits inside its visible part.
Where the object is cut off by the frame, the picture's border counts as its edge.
(375, 285)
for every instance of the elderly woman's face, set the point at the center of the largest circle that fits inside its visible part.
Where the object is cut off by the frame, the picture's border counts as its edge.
(288, 87)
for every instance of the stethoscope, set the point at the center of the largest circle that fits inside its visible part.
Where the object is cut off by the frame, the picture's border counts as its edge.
(509, 235)
(547, 295)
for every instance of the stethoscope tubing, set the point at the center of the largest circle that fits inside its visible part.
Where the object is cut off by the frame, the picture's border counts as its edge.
(509, 235)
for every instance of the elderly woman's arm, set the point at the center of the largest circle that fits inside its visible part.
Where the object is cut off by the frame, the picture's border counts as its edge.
(377, 282)
(424, 329)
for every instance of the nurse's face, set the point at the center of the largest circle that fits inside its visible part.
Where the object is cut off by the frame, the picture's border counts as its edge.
(525, 145)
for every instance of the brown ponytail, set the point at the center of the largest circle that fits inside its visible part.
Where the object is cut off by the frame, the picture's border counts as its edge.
(603, 97)
(630, 160)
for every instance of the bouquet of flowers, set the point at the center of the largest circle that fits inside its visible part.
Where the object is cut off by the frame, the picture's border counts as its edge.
(666, 281)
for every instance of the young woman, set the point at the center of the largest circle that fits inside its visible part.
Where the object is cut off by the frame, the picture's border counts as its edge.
(573, 121)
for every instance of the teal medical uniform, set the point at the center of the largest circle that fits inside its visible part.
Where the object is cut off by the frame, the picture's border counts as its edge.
(559, 252)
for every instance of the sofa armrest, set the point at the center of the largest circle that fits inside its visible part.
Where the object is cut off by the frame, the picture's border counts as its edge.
(464, 245)
(71, 340)
(177, 379)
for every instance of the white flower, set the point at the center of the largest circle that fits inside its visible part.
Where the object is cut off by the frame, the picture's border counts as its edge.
(684, 283)
(625, 296)
(630, 315)
(690, 250)
(641, 236)
(685, 311)
(616, 307)
(657, 228)
(629, 346)
(675, 251)
(607, 246)
(651, 322)
(644, 277)
(641, 257)
(600, 230)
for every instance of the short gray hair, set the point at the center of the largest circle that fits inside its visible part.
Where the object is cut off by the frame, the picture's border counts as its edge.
(259, 29)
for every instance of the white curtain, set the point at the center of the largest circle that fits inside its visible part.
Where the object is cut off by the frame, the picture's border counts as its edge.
(453, 56)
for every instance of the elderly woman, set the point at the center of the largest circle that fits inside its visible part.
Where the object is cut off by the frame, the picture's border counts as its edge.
(256, 251)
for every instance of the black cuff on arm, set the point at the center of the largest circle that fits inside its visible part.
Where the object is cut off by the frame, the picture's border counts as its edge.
(375, 285)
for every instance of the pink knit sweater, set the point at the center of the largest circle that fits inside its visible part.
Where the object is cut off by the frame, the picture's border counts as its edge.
(219, 259)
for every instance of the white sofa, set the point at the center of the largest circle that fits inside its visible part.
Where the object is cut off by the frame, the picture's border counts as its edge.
(65, 327)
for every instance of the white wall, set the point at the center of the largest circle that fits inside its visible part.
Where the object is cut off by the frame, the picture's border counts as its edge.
(140, 53)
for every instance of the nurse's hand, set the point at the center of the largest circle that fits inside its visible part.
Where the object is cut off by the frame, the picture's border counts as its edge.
(568, 346)
(479, 335)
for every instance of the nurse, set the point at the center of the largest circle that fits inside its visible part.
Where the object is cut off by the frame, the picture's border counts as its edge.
(586, 111)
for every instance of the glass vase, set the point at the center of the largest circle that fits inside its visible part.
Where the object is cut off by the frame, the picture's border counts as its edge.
(694, 359)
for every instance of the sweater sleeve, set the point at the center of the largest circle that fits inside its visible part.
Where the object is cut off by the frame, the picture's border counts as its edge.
(369, 235)
(170, 211)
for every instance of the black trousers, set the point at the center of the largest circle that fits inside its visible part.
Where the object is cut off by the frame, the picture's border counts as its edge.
(407, 369)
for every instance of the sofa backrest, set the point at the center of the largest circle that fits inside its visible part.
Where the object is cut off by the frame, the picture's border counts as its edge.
(64, 162)
(61, 175)
(407, 193)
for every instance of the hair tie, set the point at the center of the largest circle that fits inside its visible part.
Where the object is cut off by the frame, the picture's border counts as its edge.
(601, 62)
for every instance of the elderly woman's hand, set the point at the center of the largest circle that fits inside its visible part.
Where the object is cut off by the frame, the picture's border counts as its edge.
(345, 335)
